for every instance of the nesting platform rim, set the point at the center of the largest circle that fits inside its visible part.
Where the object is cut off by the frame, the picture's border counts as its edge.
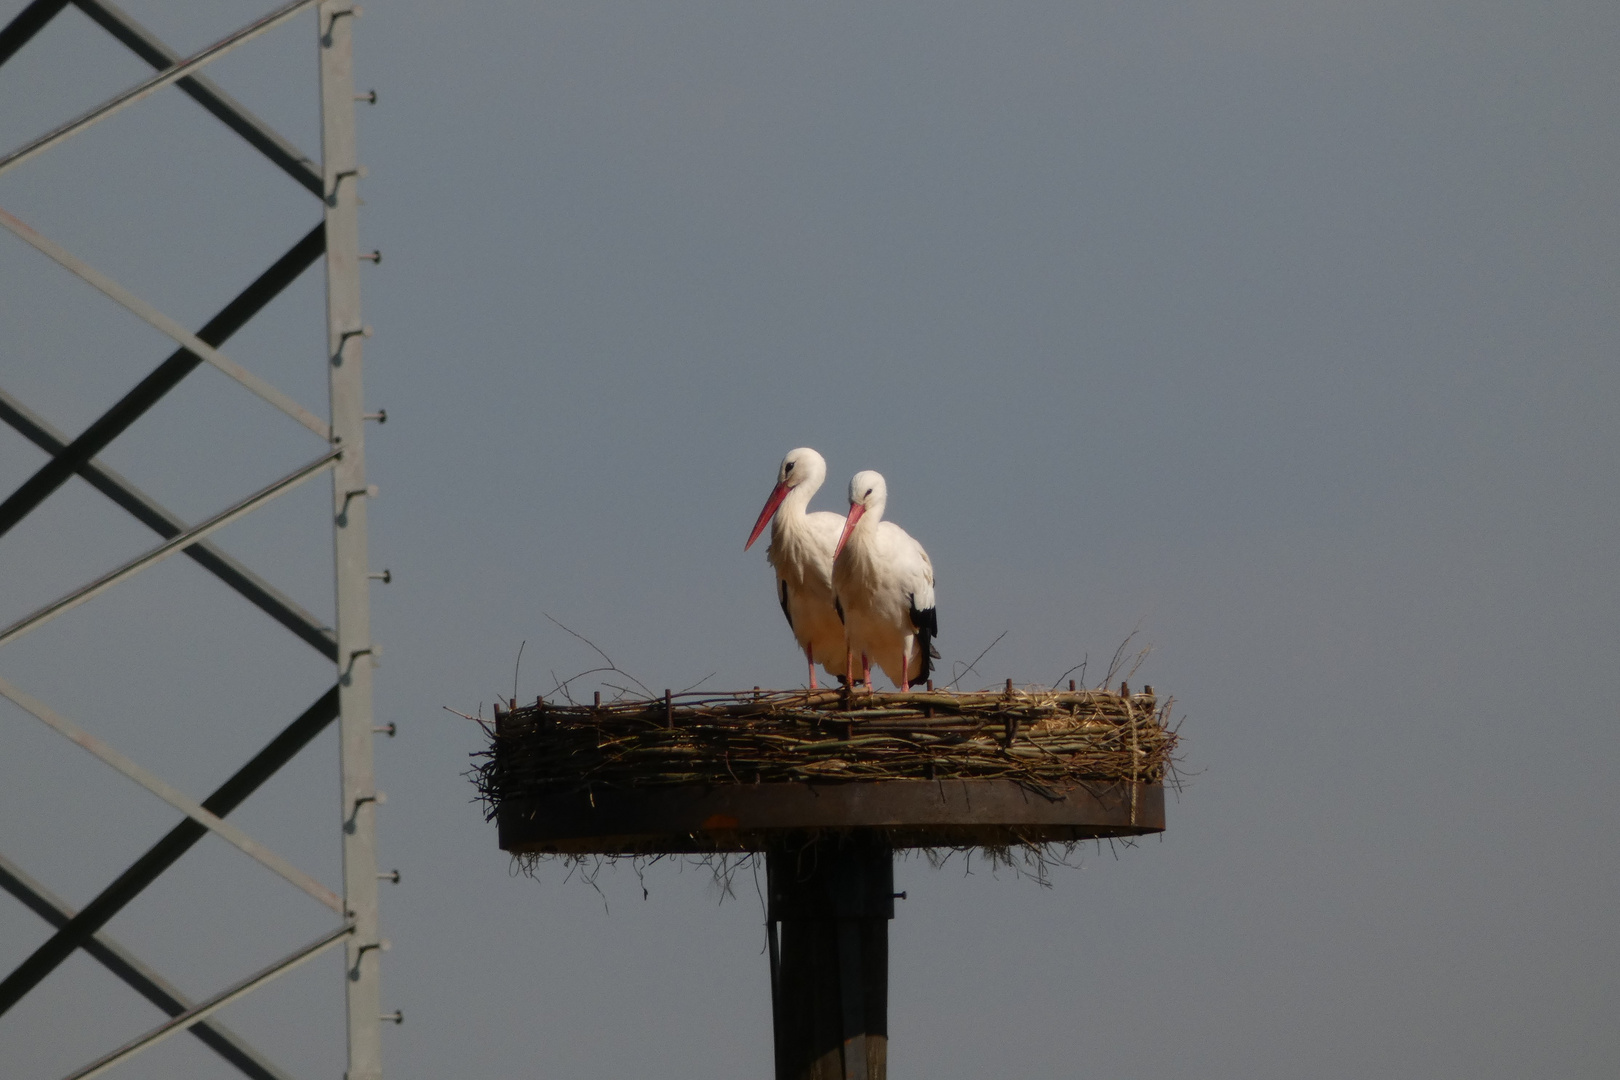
(735, 772)
(701, 819)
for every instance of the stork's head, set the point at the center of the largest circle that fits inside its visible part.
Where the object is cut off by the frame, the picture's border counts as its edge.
(868, 494)
(802, 469)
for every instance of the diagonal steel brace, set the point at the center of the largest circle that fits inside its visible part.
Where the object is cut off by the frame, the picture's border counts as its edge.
(257, 591)
(170, 547)
(235, 116)
(159, 321)
(165, 377)
(162, 855)
(141, 978)
(29, 21)
(207, 1008)
(157, 82)
(193, 810)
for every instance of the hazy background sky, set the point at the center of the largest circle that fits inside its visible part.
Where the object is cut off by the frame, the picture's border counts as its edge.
(1282, 333)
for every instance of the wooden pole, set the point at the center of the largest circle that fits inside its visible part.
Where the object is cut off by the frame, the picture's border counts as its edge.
(832, 900)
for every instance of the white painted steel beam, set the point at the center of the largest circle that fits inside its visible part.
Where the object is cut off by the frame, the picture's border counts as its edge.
(356, 656)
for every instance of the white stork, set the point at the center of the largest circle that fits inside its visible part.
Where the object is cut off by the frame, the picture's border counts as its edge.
(883, 584)
(801, 554)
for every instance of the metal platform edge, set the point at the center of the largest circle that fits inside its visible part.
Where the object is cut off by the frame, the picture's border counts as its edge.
(696, 819)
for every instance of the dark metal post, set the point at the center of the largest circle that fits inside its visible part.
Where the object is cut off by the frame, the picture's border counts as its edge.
(833, 900)
(30, 21)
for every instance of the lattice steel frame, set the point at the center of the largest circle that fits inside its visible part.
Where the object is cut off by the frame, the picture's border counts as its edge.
(349, 646)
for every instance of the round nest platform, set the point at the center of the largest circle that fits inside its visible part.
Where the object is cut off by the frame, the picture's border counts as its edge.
(748, 771)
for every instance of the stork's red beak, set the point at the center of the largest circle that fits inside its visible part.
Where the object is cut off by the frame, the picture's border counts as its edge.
(778, 493)
(855, 512)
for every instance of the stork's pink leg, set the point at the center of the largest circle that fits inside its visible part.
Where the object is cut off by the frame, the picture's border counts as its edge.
(905, 668)
(811, 660)
(866, 672)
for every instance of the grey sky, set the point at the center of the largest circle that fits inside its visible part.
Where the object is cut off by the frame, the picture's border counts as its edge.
(1282, 332)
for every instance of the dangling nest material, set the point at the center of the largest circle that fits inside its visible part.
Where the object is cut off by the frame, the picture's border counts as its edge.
(1044, 740)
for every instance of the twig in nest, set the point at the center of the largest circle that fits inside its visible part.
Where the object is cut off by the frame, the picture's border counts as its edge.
(976, 659)
(563, 685)
(517, 667)
(1080, 667)
(611, 665)
(587, 866)
(1140, 659)
(699, 683)
(1116, 664)
(479, 720)
(1032, 861)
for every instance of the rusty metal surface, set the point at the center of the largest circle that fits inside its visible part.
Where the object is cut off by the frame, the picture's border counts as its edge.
(752, 817)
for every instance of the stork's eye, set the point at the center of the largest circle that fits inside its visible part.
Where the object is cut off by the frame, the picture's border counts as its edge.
(788, 467)
(868, 493)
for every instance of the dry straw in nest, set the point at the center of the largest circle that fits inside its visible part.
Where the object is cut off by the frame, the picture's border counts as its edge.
(1045, 740)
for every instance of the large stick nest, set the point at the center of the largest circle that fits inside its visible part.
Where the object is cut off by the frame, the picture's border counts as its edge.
(1043, 739)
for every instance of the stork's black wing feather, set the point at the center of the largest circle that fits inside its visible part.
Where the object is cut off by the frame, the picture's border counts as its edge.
(782, 589)
(926, 623)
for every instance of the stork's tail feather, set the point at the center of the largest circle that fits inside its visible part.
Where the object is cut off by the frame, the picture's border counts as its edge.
(926, 655)
(926, 623)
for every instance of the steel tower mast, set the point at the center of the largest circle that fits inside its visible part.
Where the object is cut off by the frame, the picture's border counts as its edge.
(348, 645)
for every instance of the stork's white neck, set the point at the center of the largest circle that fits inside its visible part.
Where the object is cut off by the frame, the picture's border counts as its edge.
(790, 516)
(873, 514)
(868, 491)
